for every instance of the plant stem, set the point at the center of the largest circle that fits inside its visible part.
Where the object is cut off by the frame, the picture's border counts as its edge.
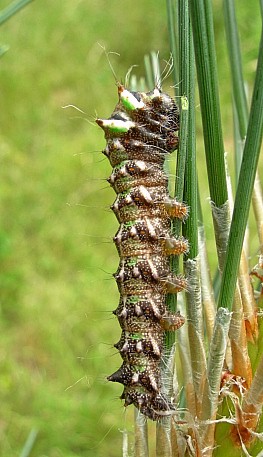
(10, 10)
(257, 200)
(149, 72)
(170, 7)
(195, 331)
(244, 190)
(141, 435)
(236, 66)
(208, 299)
(163, 438)
(213, 380)
(190, 230)
(29, 444)
(184, 34)
(205, 56)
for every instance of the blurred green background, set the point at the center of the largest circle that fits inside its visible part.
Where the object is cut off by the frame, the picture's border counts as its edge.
(56, 253)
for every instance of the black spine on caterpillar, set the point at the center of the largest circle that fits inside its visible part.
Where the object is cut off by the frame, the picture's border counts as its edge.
(139, 134)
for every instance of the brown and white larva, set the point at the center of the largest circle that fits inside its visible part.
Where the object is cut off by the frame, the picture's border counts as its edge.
(140, 133)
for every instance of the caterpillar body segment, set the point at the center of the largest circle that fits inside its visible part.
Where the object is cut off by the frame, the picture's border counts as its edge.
(140, 134)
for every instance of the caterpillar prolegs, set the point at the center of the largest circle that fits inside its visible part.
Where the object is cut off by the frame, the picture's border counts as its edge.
(139, 134)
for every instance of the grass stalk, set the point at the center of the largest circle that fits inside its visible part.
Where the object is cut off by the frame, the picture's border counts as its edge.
(257, 201)
(184, 84)
(240, 103)
(152, 71)
(165, 434)
(214, 374)
(240, 330)
(236, 66)
(205, 58)
(221, 220)
(149, 71)
(248, 299)
(208, 299)
(238, 143)
(187, 375)
(163, 438)
(166, 437)
(12, 9)
(237, 333)
(238, 340)
(202, 378)
(29, 444)
(190, 230)
(125, 444)
(141, 435)
(184, 34)
(171, 18)
(191, 261)
(195, 331)
(244, 189)
(175, 440)
(179, 186)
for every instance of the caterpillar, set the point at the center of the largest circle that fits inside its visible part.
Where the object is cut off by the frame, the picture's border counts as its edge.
(140, 133)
